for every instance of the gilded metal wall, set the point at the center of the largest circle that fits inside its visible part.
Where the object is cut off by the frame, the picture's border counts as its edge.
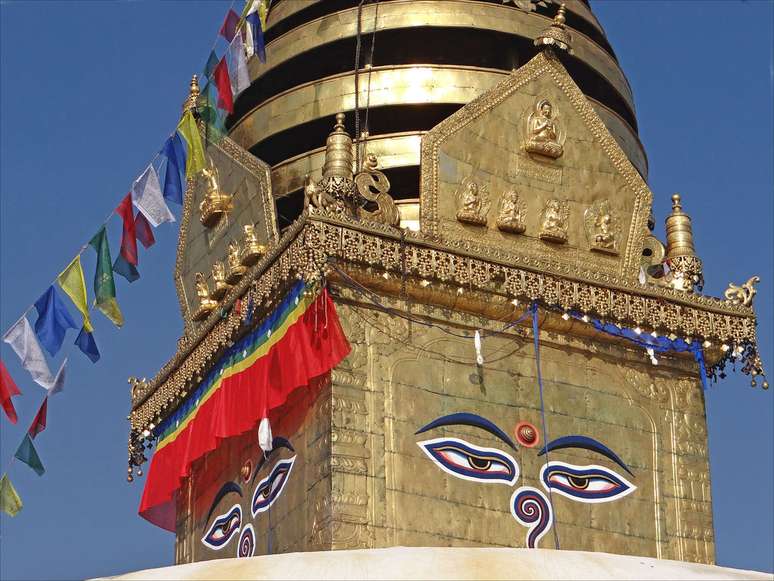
(361, 480)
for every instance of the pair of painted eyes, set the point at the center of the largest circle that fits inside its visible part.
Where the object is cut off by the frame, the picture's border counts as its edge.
(584, 483)
(226, 525)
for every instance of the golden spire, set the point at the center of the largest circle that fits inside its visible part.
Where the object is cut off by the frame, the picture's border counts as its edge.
(338, 152)
(193, 95)
(556, 34)
(685, 267)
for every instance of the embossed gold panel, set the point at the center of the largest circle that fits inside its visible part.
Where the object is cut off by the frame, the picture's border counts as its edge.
(536, 134)
(247, 180)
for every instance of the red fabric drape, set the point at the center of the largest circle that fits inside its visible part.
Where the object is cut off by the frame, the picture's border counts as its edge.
(8, 389)
(311, 347)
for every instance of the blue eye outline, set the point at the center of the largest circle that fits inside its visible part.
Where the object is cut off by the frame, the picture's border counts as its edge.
(268, 490)
(564, 478)
(443, 452)
(223, 529)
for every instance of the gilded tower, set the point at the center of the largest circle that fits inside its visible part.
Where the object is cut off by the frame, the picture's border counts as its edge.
(423, 304)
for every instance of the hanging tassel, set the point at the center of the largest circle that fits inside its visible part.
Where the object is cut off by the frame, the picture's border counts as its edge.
(264, 436)
(477, 343)
(652, 355)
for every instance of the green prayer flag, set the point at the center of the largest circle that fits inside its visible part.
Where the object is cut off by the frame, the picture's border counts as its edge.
(104, 285)
(10, 503)
(190, 132)
(27, 454)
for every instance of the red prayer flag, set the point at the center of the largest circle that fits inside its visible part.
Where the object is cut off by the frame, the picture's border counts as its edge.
(8, 389)
(129, 234)
(143, 230)
(228, 30)
(223, 83)
(39, 423)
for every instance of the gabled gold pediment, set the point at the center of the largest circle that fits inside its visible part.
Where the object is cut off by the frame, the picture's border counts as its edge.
(228, 225)
(528, 174)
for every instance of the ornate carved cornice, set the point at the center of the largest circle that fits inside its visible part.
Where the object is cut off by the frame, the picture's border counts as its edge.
(415, 260)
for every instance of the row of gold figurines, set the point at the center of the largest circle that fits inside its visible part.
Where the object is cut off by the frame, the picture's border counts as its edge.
(239, 258)
(600, 220)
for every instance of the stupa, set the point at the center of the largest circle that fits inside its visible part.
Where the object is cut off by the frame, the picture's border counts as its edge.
(424, 306)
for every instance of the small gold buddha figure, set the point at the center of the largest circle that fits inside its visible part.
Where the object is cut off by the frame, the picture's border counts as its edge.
(253, 250)
(602, 227)
(543, 131)
(206, 303)
(215, 202)
(555, 218)
(473, 204)
(234, 260)
(219, 278)
(513, 211)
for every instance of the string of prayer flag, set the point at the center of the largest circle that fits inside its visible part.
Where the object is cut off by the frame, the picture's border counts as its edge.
(73, 283)
(174, 153)
(29, 455)
(8, 390)
(88, 346)
(223, 83)
(147, 197)
(143, 230)
(10, 503)
(104, 284)
(190, 132)
(39, 423)
(237, 64)
(23, 341)
(126, 261)
(53, 320)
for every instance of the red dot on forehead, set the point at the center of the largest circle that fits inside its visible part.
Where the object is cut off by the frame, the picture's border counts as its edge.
(526, 434)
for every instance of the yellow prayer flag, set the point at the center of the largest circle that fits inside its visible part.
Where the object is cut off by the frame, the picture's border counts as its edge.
(190, 132)
(263, 11)
(72, 282)
(110, 309)
(10, 503)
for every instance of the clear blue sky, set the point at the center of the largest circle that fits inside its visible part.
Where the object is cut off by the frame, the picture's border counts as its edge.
(89, 91)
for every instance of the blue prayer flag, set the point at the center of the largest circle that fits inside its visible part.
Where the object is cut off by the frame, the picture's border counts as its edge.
(254, 21)
(212, 62)
(86, 343)
(174, 152)
(53, 320)
(125, 268)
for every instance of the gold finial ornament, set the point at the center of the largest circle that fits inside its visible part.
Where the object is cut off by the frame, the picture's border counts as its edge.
(219, 278)
(193, 95)
(744, 294)
(685, 268)
(235, 268)
(216, 203)
(556, 34)
(206, 302)
(336, 191)
(252, 248)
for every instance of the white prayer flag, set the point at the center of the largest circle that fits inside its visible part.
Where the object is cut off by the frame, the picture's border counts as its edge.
(58, 382)
(147, 197)
(237, 65)
(22, 339)
(249, 38)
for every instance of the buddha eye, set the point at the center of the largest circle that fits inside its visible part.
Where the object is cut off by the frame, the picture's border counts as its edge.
(585, 483)
(269, 489)
(464, 460)
(223, 528)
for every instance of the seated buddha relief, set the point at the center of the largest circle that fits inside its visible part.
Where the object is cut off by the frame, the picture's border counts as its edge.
(472, 203)
(512, 214)
(543, 133)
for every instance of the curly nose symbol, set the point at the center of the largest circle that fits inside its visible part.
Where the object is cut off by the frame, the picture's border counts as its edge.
(531, 508)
